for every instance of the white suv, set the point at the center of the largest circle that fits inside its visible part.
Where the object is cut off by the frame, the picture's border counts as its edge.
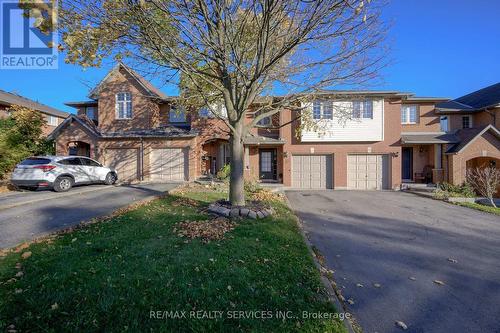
(61, 172)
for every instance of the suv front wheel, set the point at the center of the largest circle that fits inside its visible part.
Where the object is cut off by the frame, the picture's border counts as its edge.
(110, 179)
(63, 184)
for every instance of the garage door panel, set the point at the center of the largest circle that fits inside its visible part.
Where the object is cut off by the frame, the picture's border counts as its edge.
(312, 171)
(124, 161)
(367, 172)
(168, 164)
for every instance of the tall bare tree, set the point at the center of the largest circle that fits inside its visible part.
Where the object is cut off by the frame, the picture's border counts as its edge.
(231, 51)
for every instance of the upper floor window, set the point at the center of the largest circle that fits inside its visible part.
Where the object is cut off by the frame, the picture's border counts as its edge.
(409, 114)
(205, 112)
(443, 123)
(177, 115)
(124, 105)
(322, 109)
(51, 120)
(466, 122)
(264, 121)
(362, 109)
(90, 112)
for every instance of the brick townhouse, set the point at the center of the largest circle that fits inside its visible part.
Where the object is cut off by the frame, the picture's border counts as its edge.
(389, 137)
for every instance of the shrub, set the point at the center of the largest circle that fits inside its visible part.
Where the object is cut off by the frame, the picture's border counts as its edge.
(447, 190)
(485, 181)
(224, 172)
(252, 186)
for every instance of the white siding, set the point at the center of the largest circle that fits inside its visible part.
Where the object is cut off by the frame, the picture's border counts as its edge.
(343, 129)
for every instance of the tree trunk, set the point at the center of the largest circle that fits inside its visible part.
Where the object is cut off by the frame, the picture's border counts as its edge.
(236, 181)
(492, 201)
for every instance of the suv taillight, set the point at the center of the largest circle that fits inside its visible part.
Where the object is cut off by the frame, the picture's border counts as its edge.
(45, 168)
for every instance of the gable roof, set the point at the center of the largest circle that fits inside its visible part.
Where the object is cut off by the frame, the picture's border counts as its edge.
(150, 89)
(8, 98)
(82, 120)
(468, 135)
(475, 101)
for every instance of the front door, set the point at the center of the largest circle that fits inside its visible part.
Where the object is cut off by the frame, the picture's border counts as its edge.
(267, 164)
(407, 171)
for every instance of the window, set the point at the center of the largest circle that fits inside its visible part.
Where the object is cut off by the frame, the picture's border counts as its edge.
(443, 123)
(89, 162)
(362, 109)
(70, 161)
(90, 112)
(205, 112)
(264, 121)
(123, 105)
(466, 122)
(35, 161)
(409, 114)
(177, 115)
(322, 109)
(52, 121)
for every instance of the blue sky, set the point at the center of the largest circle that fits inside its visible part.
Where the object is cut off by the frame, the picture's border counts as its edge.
(443, 48)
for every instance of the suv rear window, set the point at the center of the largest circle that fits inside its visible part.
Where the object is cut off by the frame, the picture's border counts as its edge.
(35, 161)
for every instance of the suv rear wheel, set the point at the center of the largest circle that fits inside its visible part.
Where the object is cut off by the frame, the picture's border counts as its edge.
(110, 179)
(63, 184)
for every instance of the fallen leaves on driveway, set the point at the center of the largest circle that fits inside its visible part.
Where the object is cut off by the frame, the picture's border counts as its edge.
(454, 261)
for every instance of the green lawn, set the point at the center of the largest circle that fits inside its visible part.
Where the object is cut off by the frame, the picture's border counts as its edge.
(111, 275)
(484, 208)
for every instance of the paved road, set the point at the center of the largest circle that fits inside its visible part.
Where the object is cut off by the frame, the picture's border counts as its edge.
(387, 237)
(26, 215)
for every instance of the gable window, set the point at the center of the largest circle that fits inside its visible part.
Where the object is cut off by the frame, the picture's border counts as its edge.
(51, 120)
(90, 112)
(443, 123)
(322, 109)
(466, 122)
(362, 109)
(177, 115)
(409, 114)
(264, 122)
(123, 105)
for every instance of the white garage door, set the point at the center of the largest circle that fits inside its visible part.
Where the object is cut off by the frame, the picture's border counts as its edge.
(367, 172)
(168, 164)
(312, 171)
(124, 161)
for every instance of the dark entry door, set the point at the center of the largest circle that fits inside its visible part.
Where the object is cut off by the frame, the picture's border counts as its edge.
(407, 163)
(267, 164)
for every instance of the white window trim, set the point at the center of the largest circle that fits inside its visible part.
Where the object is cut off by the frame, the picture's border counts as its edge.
(407, 111)
(52, 120)
(117, 113)
(322, 109)
(447, 123)
(470, 120)
(362, 110)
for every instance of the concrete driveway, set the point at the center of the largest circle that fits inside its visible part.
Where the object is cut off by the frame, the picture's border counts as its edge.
(403, 243)
(27, 215)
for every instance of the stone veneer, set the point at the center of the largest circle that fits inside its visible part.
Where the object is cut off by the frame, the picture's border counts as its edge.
(250, 212)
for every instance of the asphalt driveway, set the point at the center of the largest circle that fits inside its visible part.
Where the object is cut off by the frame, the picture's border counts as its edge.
(387, 248)
(27, 215)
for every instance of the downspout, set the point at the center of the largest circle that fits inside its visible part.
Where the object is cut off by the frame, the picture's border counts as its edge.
(142, 158)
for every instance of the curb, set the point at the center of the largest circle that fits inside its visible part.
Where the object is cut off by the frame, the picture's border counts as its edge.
(327, 282)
